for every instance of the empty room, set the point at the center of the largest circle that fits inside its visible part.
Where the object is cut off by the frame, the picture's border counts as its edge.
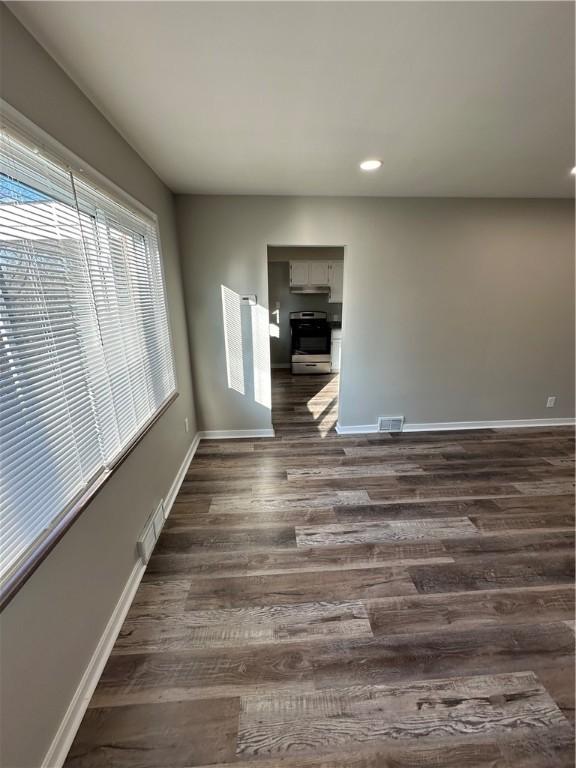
(287, 384)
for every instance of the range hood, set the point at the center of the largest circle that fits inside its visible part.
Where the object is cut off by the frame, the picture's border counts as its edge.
(309, 289)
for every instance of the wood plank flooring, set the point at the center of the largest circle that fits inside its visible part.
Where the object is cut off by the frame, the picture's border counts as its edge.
(318, 601)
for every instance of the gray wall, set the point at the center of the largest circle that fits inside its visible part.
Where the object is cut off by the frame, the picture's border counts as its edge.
(454, 310)
(279, 290)
(50, 629)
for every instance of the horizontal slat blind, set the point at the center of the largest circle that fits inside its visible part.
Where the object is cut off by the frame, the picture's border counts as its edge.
(126, 277)
(85, 353)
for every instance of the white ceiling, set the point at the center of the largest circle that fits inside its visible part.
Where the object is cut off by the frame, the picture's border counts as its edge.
(456, 98)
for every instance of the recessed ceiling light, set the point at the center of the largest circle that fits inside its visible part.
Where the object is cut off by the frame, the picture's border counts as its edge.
(370, 165)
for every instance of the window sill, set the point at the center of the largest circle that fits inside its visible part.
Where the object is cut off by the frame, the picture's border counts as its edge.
(40, 551)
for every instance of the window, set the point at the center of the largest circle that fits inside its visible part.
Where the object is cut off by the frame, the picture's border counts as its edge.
(86, 361)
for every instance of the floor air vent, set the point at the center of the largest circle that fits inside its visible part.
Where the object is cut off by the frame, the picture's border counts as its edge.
(390, 423)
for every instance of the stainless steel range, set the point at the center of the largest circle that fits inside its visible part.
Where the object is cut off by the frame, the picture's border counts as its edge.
(311, 334)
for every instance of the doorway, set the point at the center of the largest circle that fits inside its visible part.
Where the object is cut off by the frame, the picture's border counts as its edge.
(305, 299)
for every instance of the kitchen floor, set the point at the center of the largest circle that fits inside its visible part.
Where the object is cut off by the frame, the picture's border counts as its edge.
(304, 404)
(318, 601)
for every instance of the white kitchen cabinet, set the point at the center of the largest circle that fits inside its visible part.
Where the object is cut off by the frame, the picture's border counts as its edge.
(335, 350)
(299, 273)
(310, 274)
(336, 281)
(318, 272)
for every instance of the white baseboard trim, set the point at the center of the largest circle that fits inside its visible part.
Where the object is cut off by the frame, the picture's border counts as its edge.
(62, 742)
(175, 487)
(230, 434)
(448, 426)
(356, 429)
(66, 732)
(280, 365)
(503, 424)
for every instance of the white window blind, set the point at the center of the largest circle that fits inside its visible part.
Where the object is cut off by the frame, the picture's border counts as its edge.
(85, 355)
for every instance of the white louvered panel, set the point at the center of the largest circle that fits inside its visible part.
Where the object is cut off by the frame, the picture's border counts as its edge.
(85, 353)
(49, 449)
(127, 281)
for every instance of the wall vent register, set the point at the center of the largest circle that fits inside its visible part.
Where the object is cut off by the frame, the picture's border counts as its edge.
(149, 536)
(390, 423)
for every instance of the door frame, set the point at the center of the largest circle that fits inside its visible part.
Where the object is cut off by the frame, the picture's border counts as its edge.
(346, 249)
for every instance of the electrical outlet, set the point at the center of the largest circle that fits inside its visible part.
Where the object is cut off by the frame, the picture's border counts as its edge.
(186, 424)
(551, 402)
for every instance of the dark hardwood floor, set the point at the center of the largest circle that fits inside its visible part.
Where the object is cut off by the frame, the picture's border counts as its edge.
(318, 601)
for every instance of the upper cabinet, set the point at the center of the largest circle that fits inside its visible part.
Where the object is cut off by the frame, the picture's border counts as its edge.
(299, 273)
(309, 276)
(336, 281)
(318, 272)
(304, 274)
